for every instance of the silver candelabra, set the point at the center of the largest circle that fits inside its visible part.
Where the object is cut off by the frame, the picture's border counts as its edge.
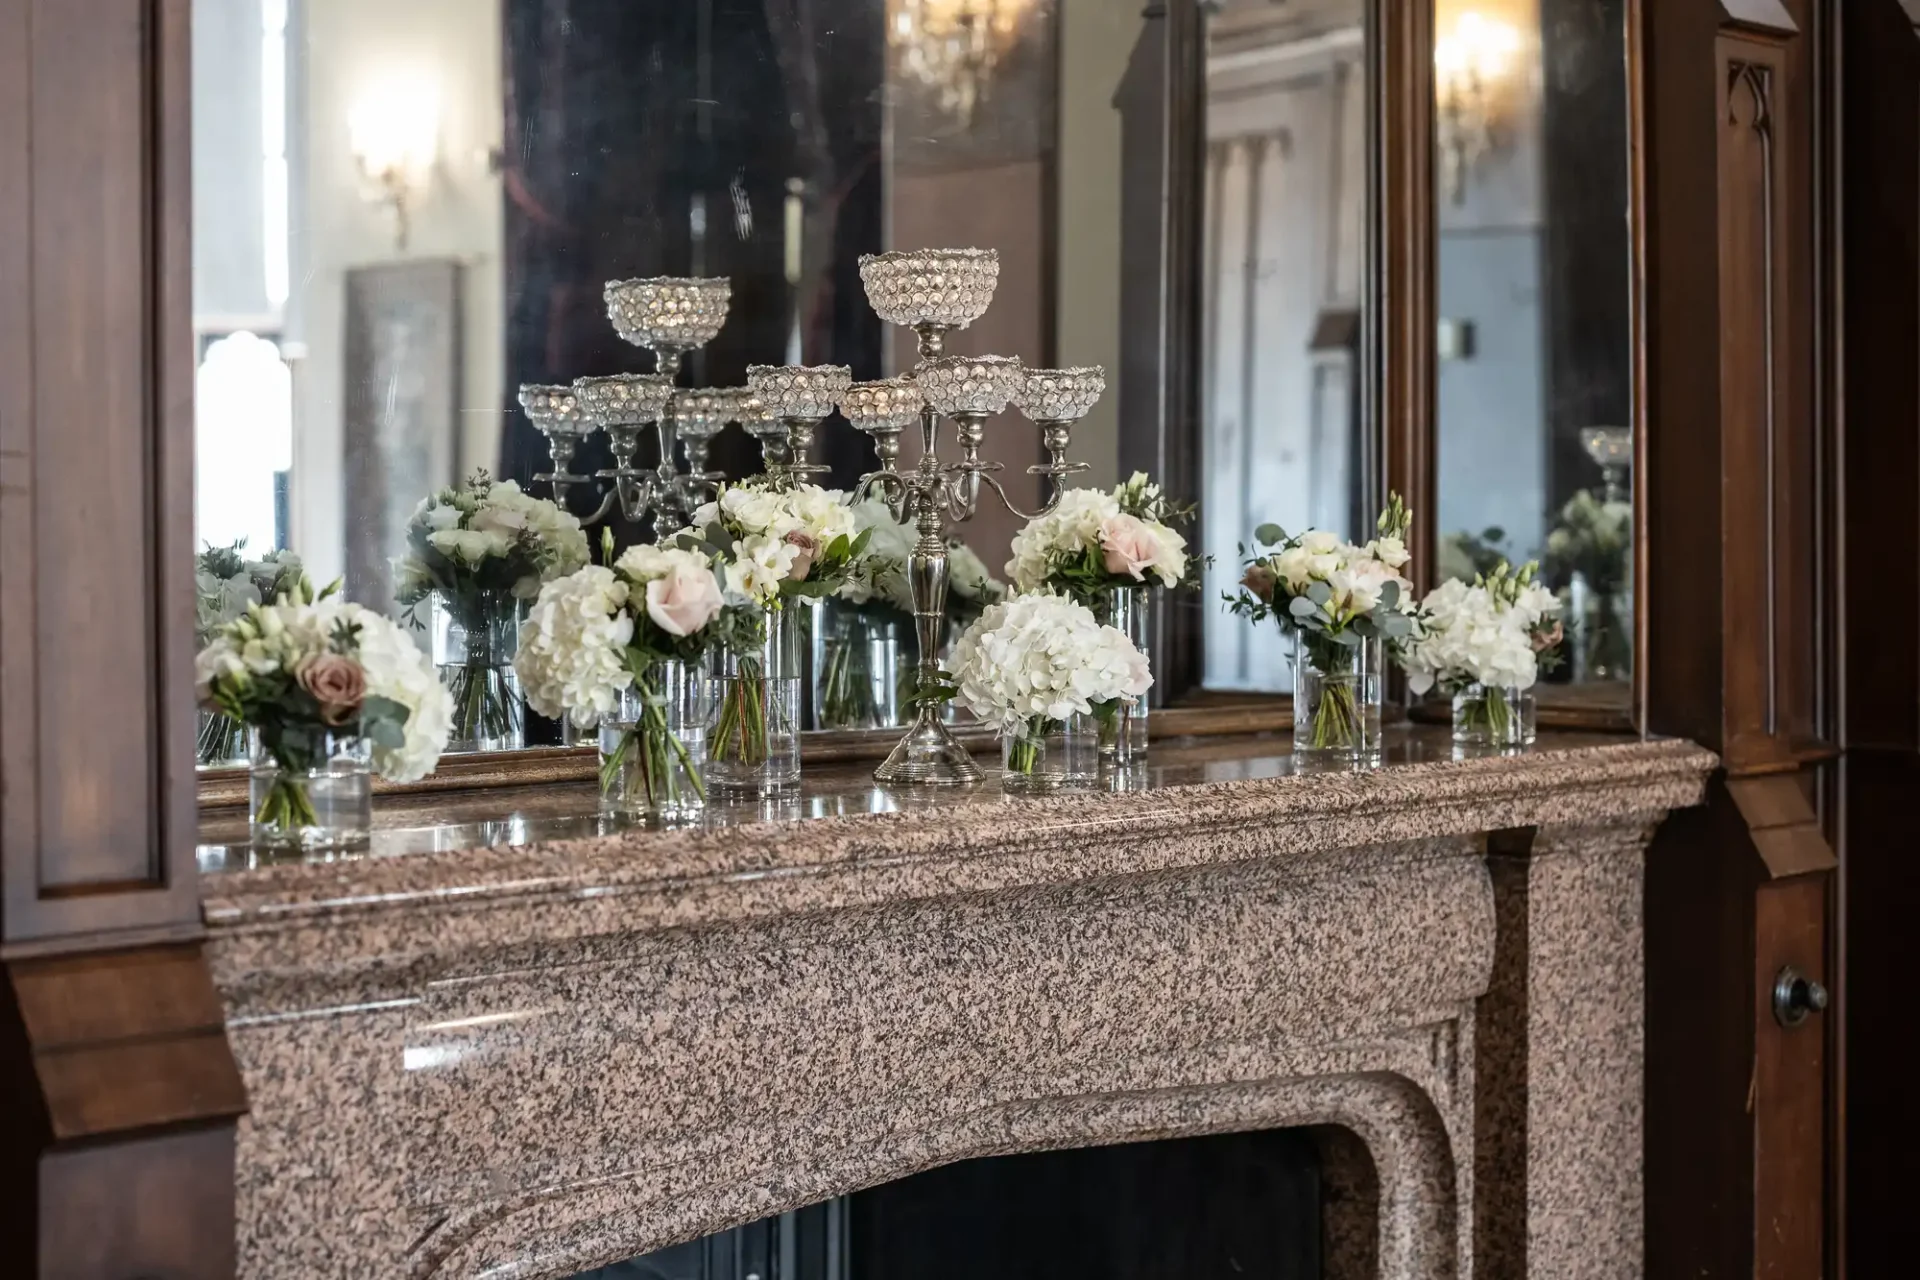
(669, 316)
(934, 292)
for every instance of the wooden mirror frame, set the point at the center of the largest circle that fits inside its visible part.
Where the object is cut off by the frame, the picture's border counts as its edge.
(1398, 368)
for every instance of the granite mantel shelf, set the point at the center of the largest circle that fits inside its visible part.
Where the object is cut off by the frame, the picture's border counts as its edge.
(512, 1040)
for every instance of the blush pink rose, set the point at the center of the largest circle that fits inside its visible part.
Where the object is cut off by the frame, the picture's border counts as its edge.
(1128, 545)
(1544, 640)
(683, 601)
(1260, 580)
(338, 684)
(806, 549)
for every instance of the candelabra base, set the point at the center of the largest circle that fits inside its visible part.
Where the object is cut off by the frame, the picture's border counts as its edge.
(929, 755)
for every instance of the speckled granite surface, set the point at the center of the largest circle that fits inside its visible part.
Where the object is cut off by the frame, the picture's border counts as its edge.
(539, 1056)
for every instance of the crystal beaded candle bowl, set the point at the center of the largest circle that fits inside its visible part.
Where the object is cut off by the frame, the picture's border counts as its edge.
(1060, 395)
(950, 288)
(624, 399)
(705, 411)
(971, 384)
(555, 410)
(889, 403)
(669, 311)
(799, 391)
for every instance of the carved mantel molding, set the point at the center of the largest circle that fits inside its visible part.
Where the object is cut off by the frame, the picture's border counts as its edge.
(535, 1060)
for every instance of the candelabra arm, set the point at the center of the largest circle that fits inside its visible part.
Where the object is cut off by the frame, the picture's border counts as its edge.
(894, 491)
(1052, 501)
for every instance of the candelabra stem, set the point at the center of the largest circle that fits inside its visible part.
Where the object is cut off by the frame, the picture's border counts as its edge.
(929, 753)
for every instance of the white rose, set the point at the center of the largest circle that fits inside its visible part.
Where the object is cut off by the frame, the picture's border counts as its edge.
(1318, 542)
(469, 546)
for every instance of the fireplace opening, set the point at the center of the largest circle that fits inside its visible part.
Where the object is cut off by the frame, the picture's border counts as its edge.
(1236, 1206)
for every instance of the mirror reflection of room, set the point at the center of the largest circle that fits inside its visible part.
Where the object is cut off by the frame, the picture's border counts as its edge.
(1535, 377)
(407, 211)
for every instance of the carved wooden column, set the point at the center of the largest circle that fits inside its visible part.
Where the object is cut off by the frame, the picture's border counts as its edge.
(117, 1084)
(1737, 640)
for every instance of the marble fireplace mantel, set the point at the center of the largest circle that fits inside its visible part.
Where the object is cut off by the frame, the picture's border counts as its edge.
(563, 1048)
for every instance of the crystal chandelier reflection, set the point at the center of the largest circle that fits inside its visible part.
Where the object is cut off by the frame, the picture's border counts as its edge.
(953, 46)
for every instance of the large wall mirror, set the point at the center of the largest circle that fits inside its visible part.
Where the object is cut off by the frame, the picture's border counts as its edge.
(1535, 405)
(407, 209)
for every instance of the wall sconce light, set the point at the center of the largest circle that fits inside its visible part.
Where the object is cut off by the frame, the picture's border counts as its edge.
(394, 134)
(1473, 63)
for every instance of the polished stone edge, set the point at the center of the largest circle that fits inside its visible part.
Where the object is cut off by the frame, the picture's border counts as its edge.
(967, 849)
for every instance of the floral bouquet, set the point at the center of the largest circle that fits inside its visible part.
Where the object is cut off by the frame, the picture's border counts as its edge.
(870, 621)
(225, 583)
(1342, 603)
(480, 551)
(774, 542)
(619, 646)
(1094, 541)
(1587, 555)
(1484, 644)
(1034, 667)
(330, 690)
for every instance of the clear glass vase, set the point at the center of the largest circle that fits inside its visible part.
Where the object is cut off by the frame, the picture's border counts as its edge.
(1337, 692)
(753, 729)
(312, 789)
(864, 669)
(1130, 610)
(1050, 755)
(475, 635)
(222, 741)
(1493, 717)
(653, 746)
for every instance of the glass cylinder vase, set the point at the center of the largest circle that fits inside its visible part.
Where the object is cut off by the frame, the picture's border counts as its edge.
(753, 728)
(1129, 610)
(653, 746)
(1498, 718)
(475, 635)
(312, 790)
(222, 740)
(1337, 695)
(864, 669)
(1043, 755)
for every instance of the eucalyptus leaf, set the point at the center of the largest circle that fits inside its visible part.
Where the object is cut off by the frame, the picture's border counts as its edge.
(1390, 594)
(1319, 592)
(1301, 607)
(1270, 534)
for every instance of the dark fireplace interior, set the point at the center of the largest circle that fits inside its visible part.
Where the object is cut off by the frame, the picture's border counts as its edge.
(1238, 1206)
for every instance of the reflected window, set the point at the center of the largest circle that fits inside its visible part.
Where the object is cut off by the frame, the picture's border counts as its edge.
(243, 442)
(1285, 210)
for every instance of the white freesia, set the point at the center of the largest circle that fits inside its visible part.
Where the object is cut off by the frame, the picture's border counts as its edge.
(1044, 657)
(572, 658)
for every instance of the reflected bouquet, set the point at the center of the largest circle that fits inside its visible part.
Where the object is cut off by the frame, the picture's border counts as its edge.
(771, 541)
(480, 551)
(1094, 540)
(225, 583)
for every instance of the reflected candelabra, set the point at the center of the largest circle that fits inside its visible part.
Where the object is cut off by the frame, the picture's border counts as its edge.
(794, 398)
(934, 292)
(669, 316)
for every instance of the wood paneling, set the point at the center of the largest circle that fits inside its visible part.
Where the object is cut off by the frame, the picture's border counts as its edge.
(120, 1088)
(1789, 1141)
(96, 710)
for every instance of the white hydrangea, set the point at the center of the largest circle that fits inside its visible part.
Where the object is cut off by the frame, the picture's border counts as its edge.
(1044, 657)
(572, 658)
(399, 670)
(1467, 636)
